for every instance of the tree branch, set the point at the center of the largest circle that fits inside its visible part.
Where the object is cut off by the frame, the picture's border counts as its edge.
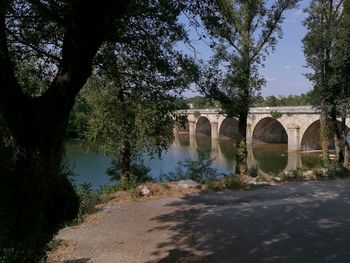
(85, 31)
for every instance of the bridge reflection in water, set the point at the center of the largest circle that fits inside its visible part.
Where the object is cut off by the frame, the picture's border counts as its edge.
(270, 158)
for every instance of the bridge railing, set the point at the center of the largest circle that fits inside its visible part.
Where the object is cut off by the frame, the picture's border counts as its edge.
(258, 110)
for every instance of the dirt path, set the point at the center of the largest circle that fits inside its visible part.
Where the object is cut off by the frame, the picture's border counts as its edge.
(292, 222)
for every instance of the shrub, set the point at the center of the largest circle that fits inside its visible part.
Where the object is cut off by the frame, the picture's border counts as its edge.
(216, 185)
(197, 114)
(88, 198)
(232, 182)
(139, 173)
(276, 114)
(198, 170)
(105, 191)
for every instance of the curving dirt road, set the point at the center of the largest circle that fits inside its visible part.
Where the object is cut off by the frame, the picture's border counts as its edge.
(293, 222)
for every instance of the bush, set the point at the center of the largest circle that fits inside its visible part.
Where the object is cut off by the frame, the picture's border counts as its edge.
(139, 173)
(88, 198)
(276, 114)
(216, 185)
(198, 170)
(232, 182)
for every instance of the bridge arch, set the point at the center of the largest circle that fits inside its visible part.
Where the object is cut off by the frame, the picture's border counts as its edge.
(311, 139)
(183, 126)
(228, 129)
(269, 130)
(203, 126)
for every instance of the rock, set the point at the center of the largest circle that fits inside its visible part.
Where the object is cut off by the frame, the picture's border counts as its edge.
(277, 179)
(290, 174)
(252, 181)
(248, 180)
(186, 184)
(309, 175)
(333, 171)
(324, 172)
(143, 190)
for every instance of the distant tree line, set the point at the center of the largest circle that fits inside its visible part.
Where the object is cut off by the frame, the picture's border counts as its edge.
(291, 100)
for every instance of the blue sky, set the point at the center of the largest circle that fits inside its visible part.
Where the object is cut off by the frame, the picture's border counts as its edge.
(285, 67)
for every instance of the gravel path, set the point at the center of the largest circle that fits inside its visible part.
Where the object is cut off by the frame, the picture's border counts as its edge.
(293, 222)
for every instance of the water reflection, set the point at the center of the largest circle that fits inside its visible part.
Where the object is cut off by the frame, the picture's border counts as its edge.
(270, 158)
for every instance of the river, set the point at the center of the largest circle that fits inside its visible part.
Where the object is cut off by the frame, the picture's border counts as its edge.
(91, 167)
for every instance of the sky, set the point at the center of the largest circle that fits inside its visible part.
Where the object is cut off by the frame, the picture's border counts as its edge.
(285, 67)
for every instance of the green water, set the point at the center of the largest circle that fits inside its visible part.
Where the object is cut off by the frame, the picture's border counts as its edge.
(91, 167)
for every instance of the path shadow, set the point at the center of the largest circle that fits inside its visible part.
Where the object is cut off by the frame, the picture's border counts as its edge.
(81, 260)
(294, 222)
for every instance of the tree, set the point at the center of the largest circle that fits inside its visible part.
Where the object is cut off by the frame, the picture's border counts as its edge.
(246, 31)
(132, 112)
(321, 44)
(137, 78)
(57, 43)
(291, 100)
(199, 102)
(341, 78)
(63, 36)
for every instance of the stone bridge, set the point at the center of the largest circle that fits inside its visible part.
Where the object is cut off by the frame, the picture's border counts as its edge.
(299, 127)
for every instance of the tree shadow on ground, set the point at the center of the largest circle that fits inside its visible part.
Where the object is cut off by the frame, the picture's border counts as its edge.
(81, 260)
(293, 222)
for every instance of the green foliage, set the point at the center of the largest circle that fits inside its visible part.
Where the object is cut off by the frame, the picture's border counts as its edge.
(326, 48)
(216, 185)
(291, 100)
(231, 182)
(198, 170)
(181, 104)
(199, 102)
(88, 198)
(276, 114)
(78, 120)
(138, 171)
(197, 114)
(106, 190)
(244, 33)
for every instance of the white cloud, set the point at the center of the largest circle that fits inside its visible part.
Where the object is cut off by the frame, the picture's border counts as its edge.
(287, 67)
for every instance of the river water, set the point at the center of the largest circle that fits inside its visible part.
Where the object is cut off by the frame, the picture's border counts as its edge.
(91, 167)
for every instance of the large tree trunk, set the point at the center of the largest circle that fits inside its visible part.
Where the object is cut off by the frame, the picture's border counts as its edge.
(324, 136)
(241, 151)
(345, 145)
(36, 196)
(338, 140)
(124, 162)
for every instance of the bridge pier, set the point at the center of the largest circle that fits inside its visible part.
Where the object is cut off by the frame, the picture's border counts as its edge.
(192, 128)
(214, 131)
(193, 143)
(294, 162)
(249, 137)
(293, 139)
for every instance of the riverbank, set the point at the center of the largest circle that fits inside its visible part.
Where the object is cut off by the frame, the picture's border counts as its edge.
(291, 222)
